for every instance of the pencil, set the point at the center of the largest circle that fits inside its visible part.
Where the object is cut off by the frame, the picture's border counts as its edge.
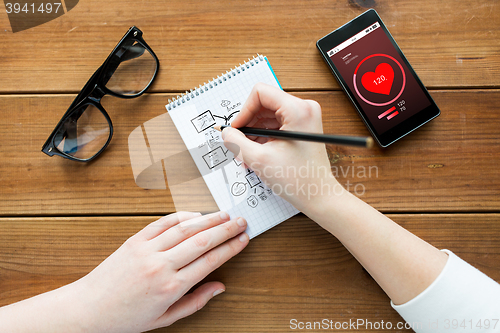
(358, 141)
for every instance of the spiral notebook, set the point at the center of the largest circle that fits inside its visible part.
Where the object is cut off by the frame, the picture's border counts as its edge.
(235, 188)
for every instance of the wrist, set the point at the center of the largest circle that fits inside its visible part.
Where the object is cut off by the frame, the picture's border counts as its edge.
(76, 308)
(329, 210)
(319, 195)
(88, 306)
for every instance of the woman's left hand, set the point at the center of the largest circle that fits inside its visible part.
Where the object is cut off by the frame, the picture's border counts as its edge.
(142, 285)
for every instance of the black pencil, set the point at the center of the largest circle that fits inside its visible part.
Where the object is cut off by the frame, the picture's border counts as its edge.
(358, 141)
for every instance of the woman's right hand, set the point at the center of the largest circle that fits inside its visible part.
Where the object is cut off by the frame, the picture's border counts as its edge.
(298, 171)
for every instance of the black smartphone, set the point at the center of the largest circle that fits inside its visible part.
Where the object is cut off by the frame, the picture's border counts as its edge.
(372, 70)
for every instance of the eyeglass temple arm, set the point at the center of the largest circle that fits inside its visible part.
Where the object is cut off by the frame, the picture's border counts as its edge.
(127, 52)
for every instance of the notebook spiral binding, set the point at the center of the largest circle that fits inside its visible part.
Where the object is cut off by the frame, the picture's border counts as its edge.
(188, 95)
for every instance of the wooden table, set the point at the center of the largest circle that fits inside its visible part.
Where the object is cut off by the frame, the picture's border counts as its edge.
(59, 218)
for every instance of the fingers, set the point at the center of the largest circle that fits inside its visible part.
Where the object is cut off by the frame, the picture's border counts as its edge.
(197, 246)
(187, 229)
(262, 98)
(156, 228)
(289, 112)
(265, 122)
(241, 146)
(269, 107)
(207, 263)
(190, 303)
(265, 119)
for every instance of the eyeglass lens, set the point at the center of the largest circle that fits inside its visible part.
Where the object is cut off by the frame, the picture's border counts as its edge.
(84, 133)
(135, 70)
(87, 130)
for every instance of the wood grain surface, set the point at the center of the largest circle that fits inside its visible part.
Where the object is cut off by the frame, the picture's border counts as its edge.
(450, 43)
(447, 165)
(296, 270)
(59, 219)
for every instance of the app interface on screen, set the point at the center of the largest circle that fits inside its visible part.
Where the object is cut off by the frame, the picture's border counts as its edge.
(378, 78)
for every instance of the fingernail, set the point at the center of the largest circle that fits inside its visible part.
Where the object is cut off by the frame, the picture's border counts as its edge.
(224, 216)
(197, 214)
(223, 133)
(240, 222)
(244, 237)
(218, 292)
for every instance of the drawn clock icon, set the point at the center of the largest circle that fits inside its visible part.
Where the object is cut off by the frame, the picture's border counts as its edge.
(379, 84)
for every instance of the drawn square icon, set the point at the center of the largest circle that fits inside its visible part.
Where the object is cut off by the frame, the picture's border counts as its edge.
(253, 179)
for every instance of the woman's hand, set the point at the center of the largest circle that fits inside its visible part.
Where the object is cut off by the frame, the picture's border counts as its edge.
(142, 285)
(296, 170)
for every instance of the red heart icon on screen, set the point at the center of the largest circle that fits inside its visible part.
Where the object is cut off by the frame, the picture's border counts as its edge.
(379, 82)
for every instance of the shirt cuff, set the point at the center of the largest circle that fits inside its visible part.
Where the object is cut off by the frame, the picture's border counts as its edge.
(460, 292)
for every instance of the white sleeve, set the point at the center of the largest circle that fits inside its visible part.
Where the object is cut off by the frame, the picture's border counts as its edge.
(461, 299)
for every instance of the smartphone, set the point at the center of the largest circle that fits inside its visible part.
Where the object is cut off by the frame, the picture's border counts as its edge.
(379, 81)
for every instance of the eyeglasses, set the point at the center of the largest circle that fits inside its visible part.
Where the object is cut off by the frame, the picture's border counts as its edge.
(85, 130)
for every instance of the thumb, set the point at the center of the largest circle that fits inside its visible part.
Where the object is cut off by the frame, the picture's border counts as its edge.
(242, 147)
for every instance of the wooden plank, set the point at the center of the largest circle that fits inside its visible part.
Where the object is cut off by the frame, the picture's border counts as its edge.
(296, 270)
(450, 43)
(447, 165)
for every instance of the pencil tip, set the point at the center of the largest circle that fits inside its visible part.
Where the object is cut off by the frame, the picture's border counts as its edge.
(217, 128)
(369, 142)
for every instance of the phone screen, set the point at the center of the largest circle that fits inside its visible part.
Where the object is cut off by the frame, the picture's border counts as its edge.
(378, 78)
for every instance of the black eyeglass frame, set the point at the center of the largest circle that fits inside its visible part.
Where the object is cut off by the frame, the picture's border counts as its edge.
(95, 89)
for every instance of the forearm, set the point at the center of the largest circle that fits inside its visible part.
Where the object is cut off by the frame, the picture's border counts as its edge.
(60, 310)
(401, 263)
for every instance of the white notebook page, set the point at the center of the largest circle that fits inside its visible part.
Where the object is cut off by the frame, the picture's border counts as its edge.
(235, 188)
